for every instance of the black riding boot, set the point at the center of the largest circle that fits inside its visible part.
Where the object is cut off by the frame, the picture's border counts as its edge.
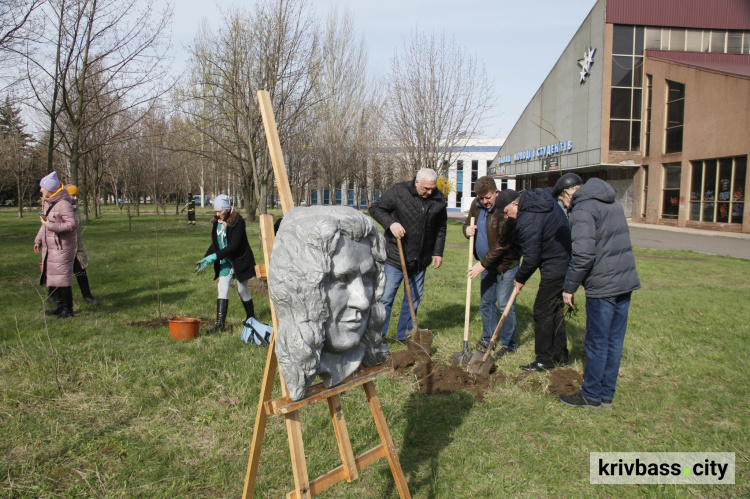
(66, 302)
(53, 298)
(83, 283)
(222, 304)
(249, 309)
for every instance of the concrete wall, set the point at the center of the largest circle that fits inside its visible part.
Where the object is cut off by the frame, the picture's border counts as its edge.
(716, 126)
(564, 108)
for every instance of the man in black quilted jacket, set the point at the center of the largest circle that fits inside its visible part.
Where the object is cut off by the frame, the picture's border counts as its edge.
(544, 233)
(414, 212)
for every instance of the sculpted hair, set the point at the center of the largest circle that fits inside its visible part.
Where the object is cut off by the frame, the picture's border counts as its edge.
(299, 269)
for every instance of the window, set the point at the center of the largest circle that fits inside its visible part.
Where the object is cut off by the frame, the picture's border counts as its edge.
(717, 190)
(474, 172)
(694, 40)
(314, 197)
(675, 116)
(734, 42)
(503, 184)
(459, 182)
(627, 78)
(326, 197)
(718, 39)
(338, 196)
(350, 197)
(670, 207)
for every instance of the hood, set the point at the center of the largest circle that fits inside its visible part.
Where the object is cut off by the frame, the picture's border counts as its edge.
(537, 201)
(62, 195)
(594, 188)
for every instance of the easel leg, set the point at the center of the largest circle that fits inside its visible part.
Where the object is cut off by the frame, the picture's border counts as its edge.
(261, 417)
(385, 438)
(342, 437)
(297, 451)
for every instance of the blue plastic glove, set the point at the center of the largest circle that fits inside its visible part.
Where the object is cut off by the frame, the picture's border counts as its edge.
(201, 265)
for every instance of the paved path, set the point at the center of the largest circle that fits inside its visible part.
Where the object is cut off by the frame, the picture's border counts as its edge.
(677, 238)
(700, 241)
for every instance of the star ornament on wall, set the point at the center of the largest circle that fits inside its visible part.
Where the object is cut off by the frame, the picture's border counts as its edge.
(586, 63)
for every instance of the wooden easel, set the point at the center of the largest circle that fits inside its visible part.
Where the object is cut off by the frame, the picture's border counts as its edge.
(349, 469)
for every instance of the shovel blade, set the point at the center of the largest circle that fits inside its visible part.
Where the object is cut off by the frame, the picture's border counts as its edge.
(462, 358)
(419, 339)
(476, 366)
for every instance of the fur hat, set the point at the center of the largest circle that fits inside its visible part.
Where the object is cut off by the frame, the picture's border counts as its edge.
(221, 203)
(50, 182)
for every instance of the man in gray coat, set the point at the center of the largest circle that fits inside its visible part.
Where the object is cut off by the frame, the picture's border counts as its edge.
(603, 262)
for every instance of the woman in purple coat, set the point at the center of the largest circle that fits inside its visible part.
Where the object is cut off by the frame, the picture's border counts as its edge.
(57, 240)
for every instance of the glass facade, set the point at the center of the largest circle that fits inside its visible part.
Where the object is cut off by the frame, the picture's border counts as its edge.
(717, 190)
(459, 182)
(626, 93)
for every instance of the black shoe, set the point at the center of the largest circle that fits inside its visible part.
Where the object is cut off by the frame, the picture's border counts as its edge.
(562, 363)
(91, 300)
(579, 400)
(53, 298)
(607, 403)
(538, 366)
(503, 351)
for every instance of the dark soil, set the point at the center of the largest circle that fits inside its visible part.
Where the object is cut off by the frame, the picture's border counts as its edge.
(436, 377)
(421, 340)
(566, 380)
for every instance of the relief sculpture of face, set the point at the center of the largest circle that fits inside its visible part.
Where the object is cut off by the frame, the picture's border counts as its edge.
(325, 278)
(349, 294)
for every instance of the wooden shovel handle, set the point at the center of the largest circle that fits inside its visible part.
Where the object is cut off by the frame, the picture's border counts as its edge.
(406, 283)
(500, 324)
(468, 286)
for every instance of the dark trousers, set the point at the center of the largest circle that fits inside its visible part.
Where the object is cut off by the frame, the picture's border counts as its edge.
(550, 339)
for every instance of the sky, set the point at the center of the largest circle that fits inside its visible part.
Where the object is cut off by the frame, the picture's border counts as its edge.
(517, 41)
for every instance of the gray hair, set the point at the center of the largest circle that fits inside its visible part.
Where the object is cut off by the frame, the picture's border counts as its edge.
(427, 174)
(300, 263)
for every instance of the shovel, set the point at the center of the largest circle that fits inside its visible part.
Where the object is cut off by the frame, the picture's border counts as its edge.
(416, 336)
(463, 358)
(481, 363)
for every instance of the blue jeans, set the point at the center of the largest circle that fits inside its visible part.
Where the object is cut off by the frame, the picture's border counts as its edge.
(606, 321)
(393, 278)
(495, 289)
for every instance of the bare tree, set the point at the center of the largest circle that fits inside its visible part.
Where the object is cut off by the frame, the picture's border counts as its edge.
(439, 97)
(341, 95)
(103, 54)
(272, 48)
(17, 26)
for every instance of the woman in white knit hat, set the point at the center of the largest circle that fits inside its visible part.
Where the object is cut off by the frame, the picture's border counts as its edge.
(232, 258)
(57, 241)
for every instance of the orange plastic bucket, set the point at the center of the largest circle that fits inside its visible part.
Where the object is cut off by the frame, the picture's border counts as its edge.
(184, 328)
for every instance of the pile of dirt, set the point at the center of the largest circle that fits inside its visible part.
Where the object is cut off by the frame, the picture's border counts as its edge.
(567, 381)
(435, 377)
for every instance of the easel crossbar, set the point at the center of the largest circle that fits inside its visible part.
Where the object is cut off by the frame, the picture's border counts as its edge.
(338, 474)
(318, 392)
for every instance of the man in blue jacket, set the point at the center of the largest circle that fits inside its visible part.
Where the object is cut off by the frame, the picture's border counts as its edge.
(414, 212)
(604, 264)
(544, 233)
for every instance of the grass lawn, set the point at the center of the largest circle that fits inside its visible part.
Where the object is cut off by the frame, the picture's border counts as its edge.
(98, 406)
